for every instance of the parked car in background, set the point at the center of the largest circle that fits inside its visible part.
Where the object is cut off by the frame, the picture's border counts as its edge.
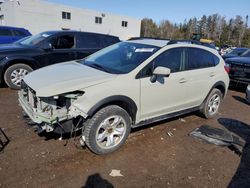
(234, 53)
(47, 48)
(126, 85)
(225, 49)
(12, 34)
(239, 68)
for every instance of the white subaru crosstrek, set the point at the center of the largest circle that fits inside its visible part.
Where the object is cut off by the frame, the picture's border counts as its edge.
(126, 85)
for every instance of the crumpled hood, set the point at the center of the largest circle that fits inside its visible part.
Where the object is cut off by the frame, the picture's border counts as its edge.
(63, 78)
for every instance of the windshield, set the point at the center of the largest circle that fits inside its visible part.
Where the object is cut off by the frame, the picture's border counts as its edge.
(246, 53)
(120, 58)
(236, 51)
(20, 40)
(35, 39)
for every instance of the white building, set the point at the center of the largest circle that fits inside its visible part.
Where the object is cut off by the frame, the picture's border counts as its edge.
(38, 16)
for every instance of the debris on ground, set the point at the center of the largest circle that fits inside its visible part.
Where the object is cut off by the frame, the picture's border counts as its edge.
(218, 137)
(182, 120)
(4, 140)
(170, 134)
(115, 173)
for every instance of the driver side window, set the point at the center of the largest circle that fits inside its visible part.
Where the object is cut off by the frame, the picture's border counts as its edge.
(63, 42)
(171, 59)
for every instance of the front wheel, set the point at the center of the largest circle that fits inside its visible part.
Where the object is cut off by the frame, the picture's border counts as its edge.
(107, 130)
(211, 106)
(14, 74)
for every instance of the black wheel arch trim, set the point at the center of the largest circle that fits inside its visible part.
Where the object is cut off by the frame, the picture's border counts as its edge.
(25, 60)
(216, 85)
(9, 61)
(116, 99)
(219, 83)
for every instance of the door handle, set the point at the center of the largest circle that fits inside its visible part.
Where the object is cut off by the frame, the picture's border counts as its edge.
(182, 80)
(212, 74)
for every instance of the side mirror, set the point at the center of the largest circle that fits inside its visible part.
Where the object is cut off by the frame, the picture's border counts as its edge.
(47, 46)
(160, 71)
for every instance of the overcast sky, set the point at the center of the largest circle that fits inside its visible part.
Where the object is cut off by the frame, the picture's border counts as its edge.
(174, 10)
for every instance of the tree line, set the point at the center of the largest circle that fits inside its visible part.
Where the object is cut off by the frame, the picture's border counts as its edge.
(222, 31)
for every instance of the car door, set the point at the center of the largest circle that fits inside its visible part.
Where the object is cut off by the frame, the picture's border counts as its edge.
(87, 44)
(200, 73)
(6, 36)
(167, 94)
(63, 48)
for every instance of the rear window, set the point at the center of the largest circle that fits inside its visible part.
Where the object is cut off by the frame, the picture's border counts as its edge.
(246, 53)
(198, 58)
(19, 33)
(89, 41)
(5, 32)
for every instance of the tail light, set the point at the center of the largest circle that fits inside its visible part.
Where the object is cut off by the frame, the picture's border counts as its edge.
(227, 67)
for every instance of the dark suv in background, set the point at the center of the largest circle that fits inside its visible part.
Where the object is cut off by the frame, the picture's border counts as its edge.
(239, 68)
(12, 34)
(47, 48)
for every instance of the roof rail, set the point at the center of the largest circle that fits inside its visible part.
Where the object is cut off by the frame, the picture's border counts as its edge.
(154, 38)
(191, 42)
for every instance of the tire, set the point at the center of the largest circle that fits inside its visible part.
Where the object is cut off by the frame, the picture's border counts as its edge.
(212, 103)
(99, 132)
(14, 74)
(248, 94)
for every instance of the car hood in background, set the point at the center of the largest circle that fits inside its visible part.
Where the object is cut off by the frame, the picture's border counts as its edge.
(63, 78)
(12, 47)
(229, 56)
(239, 60)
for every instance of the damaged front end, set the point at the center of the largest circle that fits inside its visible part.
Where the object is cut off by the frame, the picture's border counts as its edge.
(57, 113)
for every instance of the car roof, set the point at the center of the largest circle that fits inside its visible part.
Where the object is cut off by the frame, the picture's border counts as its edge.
(154, 42)
(10, 27)
(74, 31)
(163, 42)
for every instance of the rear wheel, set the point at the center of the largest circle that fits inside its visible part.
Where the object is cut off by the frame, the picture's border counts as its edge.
(107, 130)
(15, 73)
(211, 106)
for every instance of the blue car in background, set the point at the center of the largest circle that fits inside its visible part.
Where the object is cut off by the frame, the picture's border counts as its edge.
(234, 53)
(12, 34)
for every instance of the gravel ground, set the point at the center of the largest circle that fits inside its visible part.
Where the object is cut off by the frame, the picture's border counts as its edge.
(150, 157)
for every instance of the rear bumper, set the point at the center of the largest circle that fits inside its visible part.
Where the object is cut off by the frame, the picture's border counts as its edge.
(240, 80)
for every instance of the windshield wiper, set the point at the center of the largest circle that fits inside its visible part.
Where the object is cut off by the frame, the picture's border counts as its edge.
(99, 67)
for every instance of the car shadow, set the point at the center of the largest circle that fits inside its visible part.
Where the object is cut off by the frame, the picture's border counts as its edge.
(240, 99)
(3, 85)
(239, 87)
(96, 181)
(242, 176)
